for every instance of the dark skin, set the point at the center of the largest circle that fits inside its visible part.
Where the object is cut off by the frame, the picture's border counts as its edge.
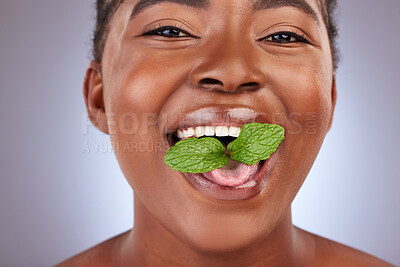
(176, 225)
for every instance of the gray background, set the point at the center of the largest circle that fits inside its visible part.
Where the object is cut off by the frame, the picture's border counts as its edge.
(56, 199)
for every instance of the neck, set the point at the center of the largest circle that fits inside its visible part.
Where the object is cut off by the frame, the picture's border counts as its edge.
(151, 244)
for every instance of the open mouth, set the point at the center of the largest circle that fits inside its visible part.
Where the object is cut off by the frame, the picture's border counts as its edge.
(224, 123)
(234, 174)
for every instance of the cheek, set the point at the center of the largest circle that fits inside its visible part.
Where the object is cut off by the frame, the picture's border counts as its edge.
(147, 84)
(306, 95)
(140, 84)
(136, 92)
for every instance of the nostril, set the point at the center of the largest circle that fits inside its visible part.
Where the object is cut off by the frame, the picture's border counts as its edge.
(215, 84)
(209, 81)
(249, 86)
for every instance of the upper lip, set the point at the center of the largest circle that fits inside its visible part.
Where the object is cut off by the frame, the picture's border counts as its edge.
(215, 116)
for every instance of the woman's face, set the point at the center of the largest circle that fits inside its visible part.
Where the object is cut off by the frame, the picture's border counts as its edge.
(226, 58)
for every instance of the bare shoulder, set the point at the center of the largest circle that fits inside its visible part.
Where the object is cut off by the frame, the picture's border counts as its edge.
(331, 253)
(100, 255)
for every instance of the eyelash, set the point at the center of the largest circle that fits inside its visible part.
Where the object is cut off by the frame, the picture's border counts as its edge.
(298, 38)
(159, 29)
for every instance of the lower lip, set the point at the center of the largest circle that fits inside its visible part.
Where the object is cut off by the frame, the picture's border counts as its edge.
(213, 190)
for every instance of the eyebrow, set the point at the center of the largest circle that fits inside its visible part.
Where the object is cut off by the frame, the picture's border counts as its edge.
(143, 4)
(302, 5)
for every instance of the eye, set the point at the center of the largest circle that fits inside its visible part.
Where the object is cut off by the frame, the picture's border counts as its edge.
(285, 38)
(168, 31)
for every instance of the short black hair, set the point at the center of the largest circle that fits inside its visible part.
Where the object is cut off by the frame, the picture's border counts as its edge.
(106, 8)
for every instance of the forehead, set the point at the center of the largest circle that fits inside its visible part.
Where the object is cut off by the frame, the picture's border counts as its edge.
(312, 8)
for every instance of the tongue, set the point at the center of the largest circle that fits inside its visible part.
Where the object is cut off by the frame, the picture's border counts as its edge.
(232, 174)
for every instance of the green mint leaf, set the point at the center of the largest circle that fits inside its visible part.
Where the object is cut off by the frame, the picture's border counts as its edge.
(256, 142)
(196, 155)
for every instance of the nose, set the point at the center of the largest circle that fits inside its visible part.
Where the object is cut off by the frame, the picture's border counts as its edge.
(229, 68)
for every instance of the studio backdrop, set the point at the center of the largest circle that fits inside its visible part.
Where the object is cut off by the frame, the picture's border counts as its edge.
(61, 190)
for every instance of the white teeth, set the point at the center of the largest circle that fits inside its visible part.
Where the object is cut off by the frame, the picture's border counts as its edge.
(221, 131)
(180, 134)
(184, 134)
(234, 131)
(190, 132)
(199, 131)
(209, 130)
